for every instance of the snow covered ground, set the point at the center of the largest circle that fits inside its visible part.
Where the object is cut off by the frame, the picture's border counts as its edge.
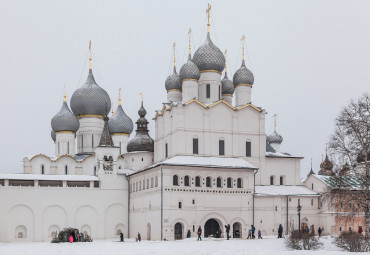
(268, 245)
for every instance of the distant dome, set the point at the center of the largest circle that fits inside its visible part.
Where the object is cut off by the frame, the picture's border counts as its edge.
(189, 70)
(90, 99)
(120, 122)
(53, 135)
(173, 81)
(243, 76)
(274, 138)
(65, 120)
(209, 57)
(327, 164)
(227, 85)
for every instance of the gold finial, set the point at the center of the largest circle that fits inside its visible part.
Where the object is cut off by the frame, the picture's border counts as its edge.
(142, 97)
(311, 163)
(243, 42)
(112, 109)
(225, 54)
(119, 98)
(275, 116)
(189, 34)
(90, 53)
(174, 54)
(208, 11)
(64, 97)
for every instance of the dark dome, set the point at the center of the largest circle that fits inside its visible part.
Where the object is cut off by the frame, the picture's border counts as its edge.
(65, 120)
(120, 122)
(274, 138)
(243, 76)
(173, 81)
(189, 70)
(227, 85)
(90, 99)
(209, 57)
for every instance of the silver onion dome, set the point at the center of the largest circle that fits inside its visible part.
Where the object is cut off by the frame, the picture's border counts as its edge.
(227, 85)
(173, 81)
(243, 76)
(274, 138)
(189, 70)
(209, 57)
(53, 135)
(65, 120)
(90, 99)
(120, 122)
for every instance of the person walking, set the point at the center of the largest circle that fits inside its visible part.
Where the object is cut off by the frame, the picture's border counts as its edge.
(280, 231)
(199, 232)
(259, 234)
(188, 234)
(307, 230)
(249, 234)
(319, 231)
(253, 231)
(71, 239)
(138, 236)
(121, 237)
(227, 231)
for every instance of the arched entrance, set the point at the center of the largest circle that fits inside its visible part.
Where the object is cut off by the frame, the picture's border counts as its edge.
(178, 231)
(237, 230)
(211, 228)
(148, 231)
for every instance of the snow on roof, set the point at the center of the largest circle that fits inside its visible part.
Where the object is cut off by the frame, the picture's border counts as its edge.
(125, 171)
(283, 190)
(49, 177)
(77, 157)
(209, 162)
(280, 155)
(349, 182)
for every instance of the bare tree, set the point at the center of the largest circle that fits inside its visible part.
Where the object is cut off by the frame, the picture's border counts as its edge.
(351, 143)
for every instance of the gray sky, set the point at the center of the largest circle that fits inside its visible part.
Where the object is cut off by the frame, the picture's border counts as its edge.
(309, 58)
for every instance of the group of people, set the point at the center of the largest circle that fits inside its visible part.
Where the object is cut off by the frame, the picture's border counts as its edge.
(252, 231)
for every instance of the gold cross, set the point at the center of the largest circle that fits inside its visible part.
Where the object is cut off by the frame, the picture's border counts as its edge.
(119, 93)
(243, 42)
(225, 60)
(142, 97)
(90, 53)
(174, 54)
(275, 116)
(189, 34)
(64, 97)
(208, 13)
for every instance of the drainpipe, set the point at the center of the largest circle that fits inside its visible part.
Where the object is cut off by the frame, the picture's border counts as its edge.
(254, 191)
(286, 230)
(161, 203)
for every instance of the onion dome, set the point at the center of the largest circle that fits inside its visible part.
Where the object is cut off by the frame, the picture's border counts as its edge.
(65, 120)
(173, 81)
(142, 141)
(227, 85)
(327, 164)
(53, 135)
(120, 122)
(189, 70)
(209, 57)
(274, 138)
(243, 76)
(90, 99)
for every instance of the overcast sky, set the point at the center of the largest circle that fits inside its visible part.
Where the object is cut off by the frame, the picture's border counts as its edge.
(309, 58)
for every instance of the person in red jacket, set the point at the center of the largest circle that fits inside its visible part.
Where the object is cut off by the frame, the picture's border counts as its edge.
(71, 239)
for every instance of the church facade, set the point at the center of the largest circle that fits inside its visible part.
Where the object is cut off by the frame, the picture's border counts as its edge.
(210, 164)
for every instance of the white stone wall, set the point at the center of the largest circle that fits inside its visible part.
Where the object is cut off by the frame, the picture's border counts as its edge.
(189, 90)
(138, 159)
(121, 141)
(174, 95)
(89, 134)
(65, 143)
(243, 94)
(212, 78)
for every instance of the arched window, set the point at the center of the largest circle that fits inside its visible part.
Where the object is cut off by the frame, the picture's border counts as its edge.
(95, 170)
(208, 182)
(221, 147)
(240, 184)
(42, 169)
(143, 184)
(208, 91)
(271, 180)
(66, 169)
(180, 205)
(147, 183)
(152, 182)
(219, 182)
(175, 180)
(136, 189)
(156, 181)
(187, 181)
(229, 182)
(139, 185)
(197, 181)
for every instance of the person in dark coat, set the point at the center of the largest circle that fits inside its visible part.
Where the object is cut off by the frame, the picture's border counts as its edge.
(227, 231)
(280, 231)
(319, 231)
(253, 230)
(199, 232)
(121, 236)
(138, 236)
(188, 234)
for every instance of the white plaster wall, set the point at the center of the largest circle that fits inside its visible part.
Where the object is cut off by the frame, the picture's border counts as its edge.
(243, 95)
(289, 168)
(65, 143)
(214, 79)
(138, 160)
(174, 96)
(90, 129)
(120, 141)
(189, 90)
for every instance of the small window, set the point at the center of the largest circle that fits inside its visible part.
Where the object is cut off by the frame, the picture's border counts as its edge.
(175, 180)
(312, 186)
(193, 201)
(147, 183)
(271, 180)
(156, 181)
(197, 181)
(92, 141)
(248, 149)
(95, 170)
(166, 149)
(187, 181)
(219, 182)
(152, 182)
(240, 183)
(180, 205)
(221, 147)
(208, 91)
(66, 170)
(350, 229)
(193, 228)
(281, 180)
(341, 205)
(311, 202)
(208, 182)
(195, 146)
(275, 208)
(67, 147)
(229, 182)
(42, 169)
(142, 159)
(340, 229)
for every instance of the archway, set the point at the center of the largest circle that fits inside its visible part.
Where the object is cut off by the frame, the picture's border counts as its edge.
(211, 228)
(148, 231)
(178, 231)
(237, 230)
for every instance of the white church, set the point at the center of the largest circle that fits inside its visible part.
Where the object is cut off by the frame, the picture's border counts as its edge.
(209, 164)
